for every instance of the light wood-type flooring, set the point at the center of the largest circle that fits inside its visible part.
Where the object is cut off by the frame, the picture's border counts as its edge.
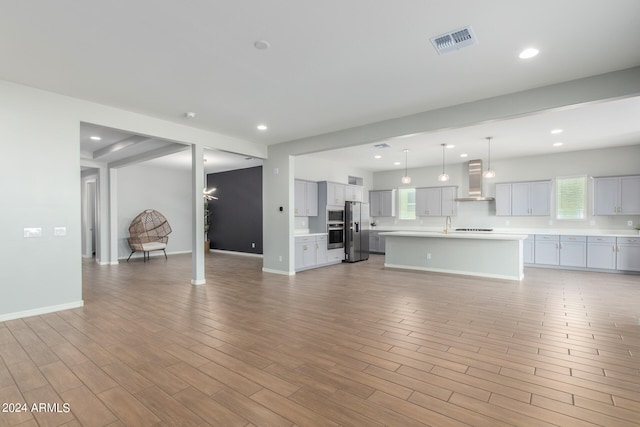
(348, 345)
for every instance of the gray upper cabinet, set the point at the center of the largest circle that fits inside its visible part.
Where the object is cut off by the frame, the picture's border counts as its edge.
(382, 203)
(616, 195)
(436, 201)
(524, 198)
(503, 199)
(449, 204)
(305, 198)
(353, 193)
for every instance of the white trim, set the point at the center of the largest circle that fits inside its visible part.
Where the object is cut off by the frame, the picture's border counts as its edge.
(198, 282)
(464, 273)
(283, 272)
(41, 310)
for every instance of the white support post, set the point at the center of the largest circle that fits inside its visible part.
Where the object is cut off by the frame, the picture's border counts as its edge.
(197, 255)
(113, 216)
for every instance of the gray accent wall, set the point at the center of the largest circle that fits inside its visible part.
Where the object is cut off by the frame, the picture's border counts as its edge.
(236, 217)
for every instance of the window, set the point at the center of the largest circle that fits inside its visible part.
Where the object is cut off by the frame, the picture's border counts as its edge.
(570, 197)
(407, 202)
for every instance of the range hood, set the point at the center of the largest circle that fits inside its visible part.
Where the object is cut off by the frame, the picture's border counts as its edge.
(475, 184)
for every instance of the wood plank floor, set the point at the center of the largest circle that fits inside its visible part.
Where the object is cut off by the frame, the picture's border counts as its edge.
(348, 345)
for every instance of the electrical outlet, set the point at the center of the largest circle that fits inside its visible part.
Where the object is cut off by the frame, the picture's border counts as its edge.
(253, 245)
(429, 255)
(630, 223)
(280, 258)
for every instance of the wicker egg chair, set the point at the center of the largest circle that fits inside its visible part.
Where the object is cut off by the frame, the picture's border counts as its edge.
(149, 231)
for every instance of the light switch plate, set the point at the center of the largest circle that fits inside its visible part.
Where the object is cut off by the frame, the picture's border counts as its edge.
(59, 231)
(33, 232)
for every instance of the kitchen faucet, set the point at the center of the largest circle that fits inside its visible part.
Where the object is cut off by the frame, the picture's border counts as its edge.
(447, 225)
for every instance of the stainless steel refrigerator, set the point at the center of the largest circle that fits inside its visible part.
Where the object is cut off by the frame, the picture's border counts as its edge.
(356, 231)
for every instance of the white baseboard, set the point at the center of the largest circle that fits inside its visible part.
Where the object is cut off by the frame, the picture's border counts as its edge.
(283, 272)
(220, 251)
(41, 310)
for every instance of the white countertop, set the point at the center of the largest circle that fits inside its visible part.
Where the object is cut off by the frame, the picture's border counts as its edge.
(457, 235)
(528, 231)
(309, 234)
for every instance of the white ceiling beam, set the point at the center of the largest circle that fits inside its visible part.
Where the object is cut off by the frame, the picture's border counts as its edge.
(149, 155)
(120, 145)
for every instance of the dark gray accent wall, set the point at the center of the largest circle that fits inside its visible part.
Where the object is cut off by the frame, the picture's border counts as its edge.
(236, 217)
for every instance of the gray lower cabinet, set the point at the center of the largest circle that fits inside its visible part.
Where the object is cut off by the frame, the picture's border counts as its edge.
(376, 242)
(601, 252)
(547, 249)
(573, 251)
(566, 251)
(310, 252)
(528, 245)
(628, 253)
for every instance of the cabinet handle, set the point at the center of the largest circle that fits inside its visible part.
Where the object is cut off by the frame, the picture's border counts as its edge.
(613, 248)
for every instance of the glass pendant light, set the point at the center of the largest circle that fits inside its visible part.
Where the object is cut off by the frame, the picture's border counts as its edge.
(443, 176)
(406, 179)
(489, 173)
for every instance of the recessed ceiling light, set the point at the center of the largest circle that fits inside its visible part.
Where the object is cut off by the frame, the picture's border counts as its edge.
(464, 155)
(556, 131)
(397, 163)
(450, 146)
(377, 156)
(261, 44)
(189, 114)
(262, 127)
(528, 53)
(558, 144)
(95, 138)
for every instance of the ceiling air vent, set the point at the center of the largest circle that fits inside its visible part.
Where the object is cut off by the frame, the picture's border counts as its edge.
(382, 145)
(454, 40)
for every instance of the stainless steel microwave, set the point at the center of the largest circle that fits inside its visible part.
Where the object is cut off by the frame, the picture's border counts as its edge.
(335, 215)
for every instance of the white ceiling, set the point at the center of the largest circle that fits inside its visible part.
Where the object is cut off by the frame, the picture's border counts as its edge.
(332, 64)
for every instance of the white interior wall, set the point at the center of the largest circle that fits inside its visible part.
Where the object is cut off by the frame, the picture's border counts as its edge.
(166, 190)
(593, 163)
(40, 181)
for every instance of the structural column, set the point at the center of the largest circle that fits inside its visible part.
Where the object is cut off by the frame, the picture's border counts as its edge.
(197, 235)
(113, 216)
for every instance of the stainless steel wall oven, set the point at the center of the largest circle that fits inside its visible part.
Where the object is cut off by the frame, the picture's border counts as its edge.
(335, 235)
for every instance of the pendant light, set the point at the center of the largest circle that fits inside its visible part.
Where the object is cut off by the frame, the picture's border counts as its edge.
(489, 173)
(406, 179)
(443, 176)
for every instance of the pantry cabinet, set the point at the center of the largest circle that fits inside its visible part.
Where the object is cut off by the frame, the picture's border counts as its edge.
(617, 195)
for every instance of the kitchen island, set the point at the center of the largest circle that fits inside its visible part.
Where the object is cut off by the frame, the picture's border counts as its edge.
(477, 254)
